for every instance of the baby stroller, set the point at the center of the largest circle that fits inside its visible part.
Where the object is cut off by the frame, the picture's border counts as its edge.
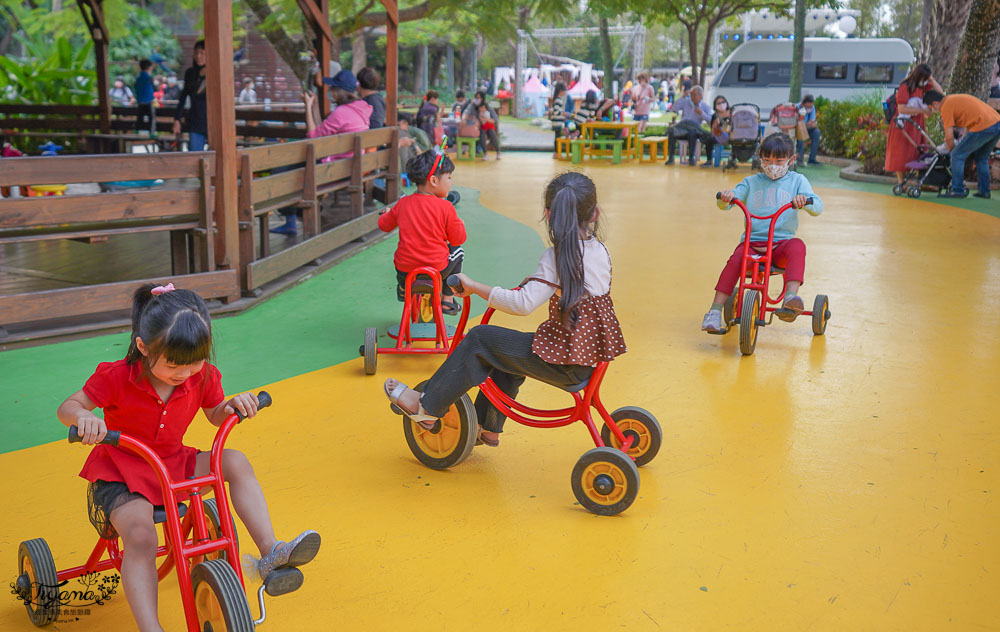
(932, 168)
(745, 135)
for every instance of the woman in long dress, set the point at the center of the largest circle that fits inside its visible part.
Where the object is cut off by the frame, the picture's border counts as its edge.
(899, 150)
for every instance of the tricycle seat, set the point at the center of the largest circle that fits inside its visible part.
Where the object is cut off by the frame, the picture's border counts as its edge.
(160, 512)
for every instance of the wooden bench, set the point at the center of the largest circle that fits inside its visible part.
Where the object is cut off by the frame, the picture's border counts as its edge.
(581, 146)
(657, 146)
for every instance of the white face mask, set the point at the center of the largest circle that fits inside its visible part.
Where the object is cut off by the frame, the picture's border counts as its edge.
(776, 172)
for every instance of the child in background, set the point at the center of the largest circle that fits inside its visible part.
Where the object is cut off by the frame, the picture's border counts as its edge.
(145, 120)
(722, 124)
(557, 112)
(487, 130)
(585, 112)
(574, 278)
(430, 231)
(763, 193)
(153, 394)
(642, 99)
(429, 114)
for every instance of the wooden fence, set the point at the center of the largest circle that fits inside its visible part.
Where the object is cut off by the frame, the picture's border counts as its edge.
(270, 177)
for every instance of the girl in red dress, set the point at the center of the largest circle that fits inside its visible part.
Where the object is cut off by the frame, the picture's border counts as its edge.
(899, 150)
(153, 394)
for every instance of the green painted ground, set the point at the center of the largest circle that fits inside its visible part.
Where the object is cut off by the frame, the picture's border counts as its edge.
(329, 312)
(828, 176)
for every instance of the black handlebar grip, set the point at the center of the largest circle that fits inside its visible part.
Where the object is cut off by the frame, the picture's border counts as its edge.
(718, 196)
(809, 201)
(455, 283)
(263, 399)
(111, 438)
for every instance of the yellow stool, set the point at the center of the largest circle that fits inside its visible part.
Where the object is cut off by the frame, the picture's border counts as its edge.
(466, 142)
(43, 190)
(657, 147)
(563, 151)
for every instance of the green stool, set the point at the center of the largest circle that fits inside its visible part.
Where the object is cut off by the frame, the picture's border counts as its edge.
(615, 145)
(470, 143)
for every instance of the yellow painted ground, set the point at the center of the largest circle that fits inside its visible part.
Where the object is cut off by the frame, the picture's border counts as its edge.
(843, 482)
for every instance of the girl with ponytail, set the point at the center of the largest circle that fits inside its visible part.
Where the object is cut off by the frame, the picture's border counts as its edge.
(152, 395)
(574, 277)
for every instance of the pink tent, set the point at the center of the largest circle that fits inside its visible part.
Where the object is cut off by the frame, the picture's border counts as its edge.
(584, 85)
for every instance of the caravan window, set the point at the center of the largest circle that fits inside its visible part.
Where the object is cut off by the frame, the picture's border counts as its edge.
(748, 72)
(831, 71)
(873, 73)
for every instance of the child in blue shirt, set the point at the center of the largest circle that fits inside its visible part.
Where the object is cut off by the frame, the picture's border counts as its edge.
(763, 194)
(145, 119)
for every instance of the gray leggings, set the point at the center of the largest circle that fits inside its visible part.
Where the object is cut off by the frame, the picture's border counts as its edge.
(502, 354)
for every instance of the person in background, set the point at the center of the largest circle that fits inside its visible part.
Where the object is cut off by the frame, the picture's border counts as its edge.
(172, 91)
(412, 139)
(557, 112)
(995, 83)
(807, 110)
(248, 95)
(145, 119)
(983, 125)
(368, 80)
(194, 90)
(898, 149)
(120, 93)
(159, 85)
(693, 111)
(460, 103)
(642, 99)
(429, 114)
(487, 130)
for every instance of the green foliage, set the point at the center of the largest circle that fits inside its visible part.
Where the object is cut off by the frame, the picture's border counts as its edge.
(854, 128)
(142, 32)
(54, 71)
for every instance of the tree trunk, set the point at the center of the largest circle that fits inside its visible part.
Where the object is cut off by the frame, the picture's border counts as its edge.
(359, 51)
(706, 51)
(434, 76)
(978, 50)
(418, 74)
(607, 61)
(290, 49)
(941, 20)
(692, 31)
(798, 47)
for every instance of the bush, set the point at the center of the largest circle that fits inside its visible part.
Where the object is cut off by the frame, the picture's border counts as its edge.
(854, 128)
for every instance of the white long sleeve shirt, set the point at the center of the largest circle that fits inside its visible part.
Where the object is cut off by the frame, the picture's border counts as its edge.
(596, 280)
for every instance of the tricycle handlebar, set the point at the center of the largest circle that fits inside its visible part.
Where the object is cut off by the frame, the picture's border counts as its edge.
(809, 202)
(109, 439)
(113, 436)
(455, 283)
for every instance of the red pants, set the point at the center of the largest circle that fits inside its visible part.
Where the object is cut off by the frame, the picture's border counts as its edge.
(789, 254)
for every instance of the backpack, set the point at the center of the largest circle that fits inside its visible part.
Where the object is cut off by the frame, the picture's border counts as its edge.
(889, 107)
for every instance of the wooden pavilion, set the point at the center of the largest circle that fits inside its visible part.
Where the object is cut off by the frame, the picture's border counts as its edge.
(209, 223)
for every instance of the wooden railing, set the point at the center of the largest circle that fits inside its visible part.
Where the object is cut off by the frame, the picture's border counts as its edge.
(185, 210)
(276, 176)
(270, 177)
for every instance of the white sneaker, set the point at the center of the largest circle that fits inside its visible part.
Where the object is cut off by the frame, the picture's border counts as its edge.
(712, 323)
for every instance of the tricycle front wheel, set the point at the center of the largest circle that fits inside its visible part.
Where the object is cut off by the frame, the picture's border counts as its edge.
(451, 439)
(748, 322)
(219, 600)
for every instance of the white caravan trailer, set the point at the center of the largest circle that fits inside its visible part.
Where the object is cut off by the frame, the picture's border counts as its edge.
(758, 71)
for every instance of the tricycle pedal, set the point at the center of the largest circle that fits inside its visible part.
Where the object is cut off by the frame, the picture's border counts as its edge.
(282, 581)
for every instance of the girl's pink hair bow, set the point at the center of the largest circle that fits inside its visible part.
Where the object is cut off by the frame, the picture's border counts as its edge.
(163, 289)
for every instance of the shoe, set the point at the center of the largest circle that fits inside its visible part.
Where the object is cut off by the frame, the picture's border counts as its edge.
(953, 194)
(985, 196)
(299, 551)
(814, 162)
(669, 161)
(451, 309)
(482, 440)
(790, 309)
(288, 228)
(692, 162)
(712, 323)
(421, 418)
(706, 164)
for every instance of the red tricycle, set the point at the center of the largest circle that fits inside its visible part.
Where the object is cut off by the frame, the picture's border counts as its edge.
(605, 479)
(199, 537)
(745, 307)
(422, 321)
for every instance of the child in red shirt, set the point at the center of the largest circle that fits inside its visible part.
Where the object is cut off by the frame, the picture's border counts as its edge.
(430, 231)
(153, 395)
